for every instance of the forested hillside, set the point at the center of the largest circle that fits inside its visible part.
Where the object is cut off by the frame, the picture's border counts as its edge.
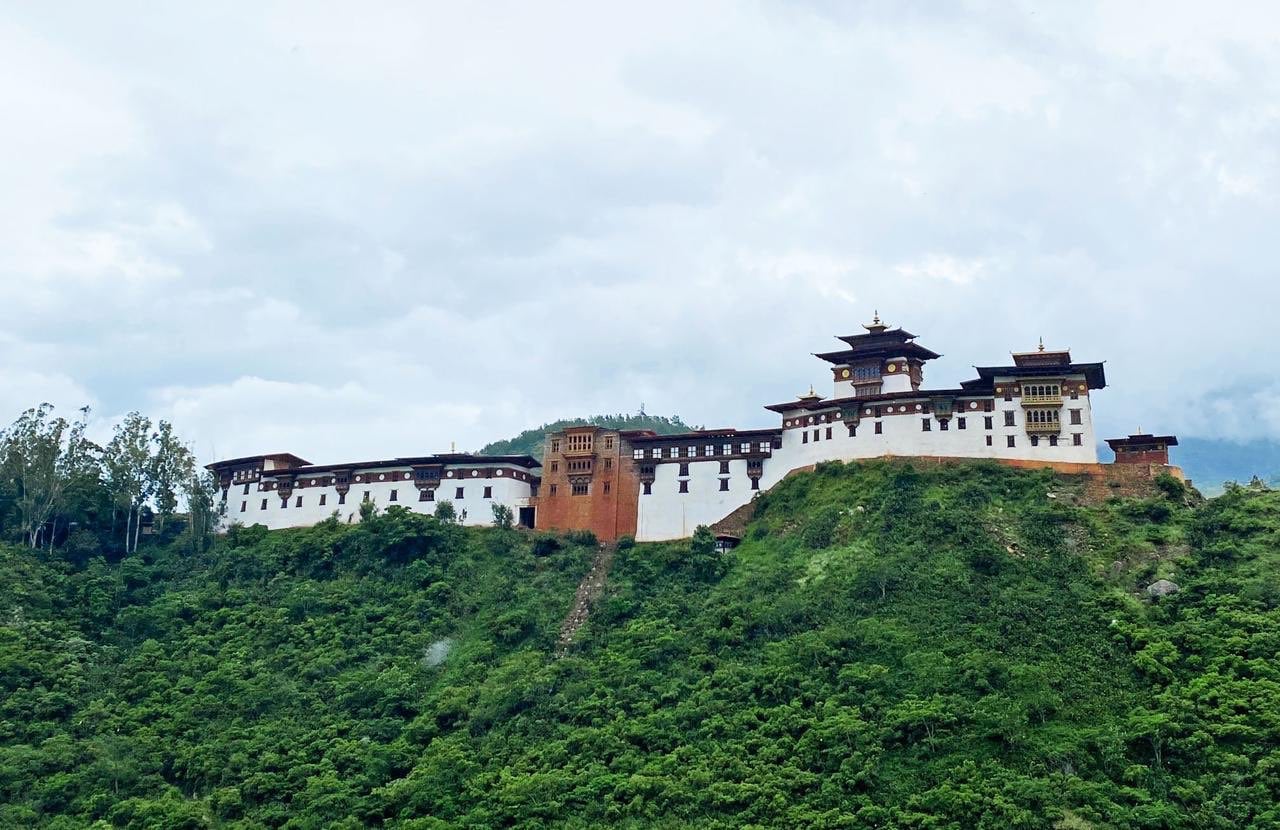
(530, 441)
(963, 647)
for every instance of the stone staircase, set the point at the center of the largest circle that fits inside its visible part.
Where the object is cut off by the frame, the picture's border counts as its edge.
(589, 590)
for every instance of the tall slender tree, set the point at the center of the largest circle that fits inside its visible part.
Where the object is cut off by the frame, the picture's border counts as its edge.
(127, 463)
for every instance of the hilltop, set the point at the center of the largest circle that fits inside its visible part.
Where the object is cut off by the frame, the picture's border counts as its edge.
(965, 646)
(530, 441)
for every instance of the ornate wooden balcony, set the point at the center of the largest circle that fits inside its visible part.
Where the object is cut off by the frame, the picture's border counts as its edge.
(1044, 427)
(1041, 400)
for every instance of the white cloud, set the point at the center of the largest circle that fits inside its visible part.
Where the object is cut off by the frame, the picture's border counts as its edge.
(289, 231)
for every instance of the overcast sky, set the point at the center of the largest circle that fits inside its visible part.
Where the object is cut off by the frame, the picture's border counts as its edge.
(353, 231)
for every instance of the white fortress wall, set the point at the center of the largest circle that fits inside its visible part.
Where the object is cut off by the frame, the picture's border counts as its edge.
(308, 505)
(666, 513)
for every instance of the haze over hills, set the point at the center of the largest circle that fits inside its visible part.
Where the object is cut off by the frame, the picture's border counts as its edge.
(964, 646)
(1209, 462)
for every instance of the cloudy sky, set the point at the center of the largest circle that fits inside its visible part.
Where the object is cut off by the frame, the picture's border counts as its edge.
(374, 229)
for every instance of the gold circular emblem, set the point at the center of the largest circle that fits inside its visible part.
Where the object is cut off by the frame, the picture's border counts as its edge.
(893, 367)
(844, 373)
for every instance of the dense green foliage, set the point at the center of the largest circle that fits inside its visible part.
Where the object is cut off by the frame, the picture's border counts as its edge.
(966, 646)
(529, 442)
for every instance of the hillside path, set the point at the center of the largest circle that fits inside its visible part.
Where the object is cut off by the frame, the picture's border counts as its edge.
(589, 590)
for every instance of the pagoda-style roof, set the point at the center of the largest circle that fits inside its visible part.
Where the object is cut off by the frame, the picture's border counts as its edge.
(1141, 439)
(880, 341)
(878, 349)
(443, 459)
(1093, 373)
(700, 434)
(285, 459)
(915, 395)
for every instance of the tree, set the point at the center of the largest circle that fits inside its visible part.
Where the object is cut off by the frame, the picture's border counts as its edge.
(127, 462)
(502, 516)
(200, 490)
(171, 467)
(41, 456)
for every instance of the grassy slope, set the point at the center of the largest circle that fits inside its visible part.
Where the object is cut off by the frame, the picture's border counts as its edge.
(950, 648)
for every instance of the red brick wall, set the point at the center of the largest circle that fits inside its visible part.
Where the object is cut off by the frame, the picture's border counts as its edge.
(1142, 457)
(608, 515)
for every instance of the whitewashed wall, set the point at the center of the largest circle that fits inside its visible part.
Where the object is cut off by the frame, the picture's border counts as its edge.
(507, 490)
(666, 513)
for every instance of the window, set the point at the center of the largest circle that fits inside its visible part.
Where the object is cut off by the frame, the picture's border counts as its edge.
(724, 468)
(608, 443)
(1010, 439)
(366, 495)
(672, 452)
(709, 450)
(244, 505)
(246, 489)
(579, 488)
(724, 484)
(323, 499)
(853, 430)
(608, 463)
(988, 440)
(684, 485)
(1035, 440)
(637, 454)
(342, 498)
(879, 428)
(298, 503)
(726, 449)
(264, 505)
(555, 466)
(606, 488)
(961, 423)
(1075, 394)
(1075, 417)
(284, 503)
(988, 406)
(986, 422)
(555, 446)
(926, 424)
(426, 495)
(1053, 440)
(764, 446)
(816, 434)
(684, 469)
(488, 493)
(944, 424)
(395, 495)
(648, 488)
(1008, 418)
(828, 433)
(457, 494)
(1008, 394)
(745, 446)
(755, 483)
(804, 436)
(1076, 439)
(553, 489)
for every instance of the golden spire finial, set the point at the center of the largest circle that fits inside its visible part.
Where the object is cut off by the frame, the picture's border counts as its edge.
(876, 318)
(811, 392)
(1042, 343)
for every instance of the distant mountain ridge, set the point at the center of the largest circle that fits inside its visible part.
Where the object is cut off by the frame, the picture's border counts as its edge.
(1210, 462)
(530, 441)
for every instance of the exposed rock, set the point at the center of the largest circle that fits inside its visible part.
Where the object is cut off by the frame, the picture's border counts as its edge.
(1162, 588)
